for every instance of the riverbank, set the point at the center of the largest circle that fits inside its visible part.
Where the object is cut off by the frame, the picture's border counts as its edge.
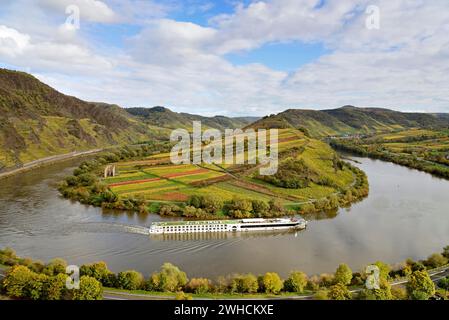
(33, 214)
(173, 283)
(47, 161)
(409, 161)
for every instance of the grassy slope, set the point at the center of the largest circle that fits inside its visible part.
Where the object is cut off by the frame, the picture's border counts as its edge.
(351, 120)
(316, 154)
(36, 121)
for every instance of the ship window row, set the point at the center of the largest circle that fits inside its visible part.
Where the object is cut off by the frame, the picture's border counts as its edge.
(201, 227)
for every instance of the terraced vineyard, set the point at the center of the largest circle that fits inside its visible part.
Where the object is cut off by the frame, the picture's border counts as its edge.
(156, 179)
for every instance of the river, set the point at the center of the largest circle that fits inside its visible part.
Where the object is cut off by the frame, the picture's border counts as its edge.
(405, 215)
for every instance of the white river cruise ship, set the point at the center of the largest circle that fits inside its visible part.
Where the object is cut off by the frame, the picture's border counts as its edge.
(241, 225)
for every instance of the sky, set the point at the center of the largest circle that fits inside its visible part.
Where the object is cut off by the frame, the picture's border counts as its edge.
(232, 57)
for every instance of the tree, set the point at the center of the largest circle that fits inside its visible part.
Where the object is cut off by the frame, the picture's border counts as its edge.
(55, 287)
(435, 260)
(276, 206)
(90, 289)
(343, 275)
(211, 203)
(296, 282)
(272, 283)
(383, 293)
(339, 292)
(384, 269)
(99, 271)
(170, 279)
(326, 279)
(130, 280)
(240, 207)
(399, 293)
(444, 284)
(244, 283)
(446, 252)
(199, 285)
(17, 280)
(420, 286)
(260, 207)
(55, 266)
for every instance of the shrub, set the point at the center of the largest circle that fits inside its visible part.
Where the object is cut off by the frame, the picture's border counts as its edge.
(17, 280)
(435, 260)
(276, 206)
(339, 292)
(296, 282)
(444, 283)
(170, 279)
(199, 285)
(130, 280)
(313, 283)
(343, 275)
(90, 289)
(326, 280)
(244, 284)
(55, 287)
(260, 208)
(55, 266)
(272, 283)
(98, 271)
(420, 286)
(240, 208)
(399, 293)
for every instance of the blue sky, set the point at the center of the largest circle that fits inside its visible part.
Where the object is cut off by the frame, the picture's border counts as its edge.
(278, 55)
(235, 57)
(287, 56)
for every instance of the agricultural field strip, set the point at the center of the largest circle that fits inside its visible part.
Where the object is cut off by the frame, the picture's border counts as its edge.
(179, 178)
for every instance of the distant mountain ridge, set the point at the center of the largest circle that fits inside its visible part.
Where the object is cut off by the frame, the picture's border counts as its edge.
(350, 120)
(37, 121)
(164, 117)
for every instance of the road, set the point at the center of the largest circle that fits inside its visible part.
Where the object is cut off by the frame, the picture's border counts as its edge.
(113, 295)
(48, 160)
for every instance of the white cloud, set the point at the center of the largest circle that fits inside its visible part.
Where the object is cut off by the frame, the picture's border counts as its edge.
(12, 42)
(91, 10)
(404, 65)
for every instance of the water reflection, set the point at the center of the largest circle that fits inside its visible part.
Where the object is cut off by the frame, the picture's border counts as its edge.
(222, 235)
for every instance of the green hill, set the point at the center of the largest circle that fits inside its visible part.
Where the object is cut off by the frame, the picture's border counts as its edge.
(351, 120)
(37, 121)
(164, 117)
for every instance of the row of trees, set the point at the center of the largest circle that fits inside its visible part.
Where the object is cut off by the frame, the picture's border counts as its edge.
(211, 206)
(34, 280)
(85, 186)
